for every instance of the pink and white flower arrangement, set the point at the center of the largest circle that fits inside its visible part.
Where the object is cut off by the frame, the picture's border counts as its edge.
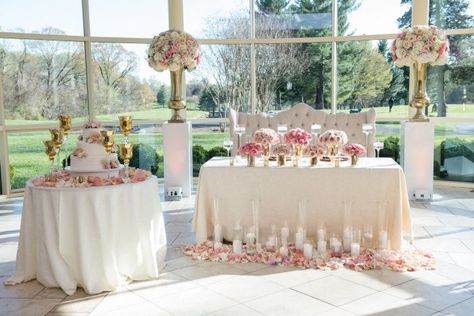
(420, 43)
(297, 136)
(79, 153)
(333, 137)
(281, 150)
(173, 50)
(251, 149)
(314, 150)
(94, 138)
(110, 163)
(266, 137)
(354, 150)
(92, 124)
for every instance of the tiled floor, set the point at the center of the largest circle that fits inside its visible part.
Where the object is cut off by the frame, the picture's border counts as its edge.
(445, 227)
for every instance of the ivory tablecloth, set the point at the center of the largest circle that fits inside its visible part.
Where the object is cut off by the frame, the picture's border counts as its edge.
(279, 190)
(97, 238)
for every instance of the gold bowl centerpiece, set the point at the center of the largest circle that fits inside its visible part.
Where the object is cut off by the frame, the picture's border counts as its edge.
(125, 125)
(177, 51)
(416, 47)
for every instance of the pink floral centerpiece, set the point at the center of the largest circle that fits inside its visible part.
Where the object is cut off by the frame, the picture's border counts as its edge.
(332, 139)
(422, 44)
(281, 150)
(419, 46)
(251, 150)
(298, 138)
(266, 137)
(354, 151)
(315, 151)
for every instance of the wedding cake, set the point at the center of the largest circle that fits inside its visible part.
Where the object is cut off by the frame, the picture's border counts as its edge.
(90, 154)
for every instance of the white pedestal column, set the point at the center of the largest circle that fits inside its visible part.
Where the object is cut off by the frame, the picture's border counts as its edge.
(177, 149)
(416, 156)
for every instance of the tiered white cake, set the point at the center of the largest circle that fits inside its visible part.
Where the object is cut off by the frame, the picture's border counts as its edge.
(90, 156)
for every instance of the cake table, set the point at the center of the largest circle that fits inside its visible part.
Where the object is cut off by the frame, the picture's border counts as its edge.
(97, 238)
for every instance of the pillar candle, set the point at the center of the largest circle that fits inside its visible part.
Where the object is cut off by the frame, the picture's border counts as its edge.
(258, 247)
(237, 246)
(285, 233)
(337, 246)
(299, 240)
(321, 234)
(284, 251)
(217, 233)
(217, 245)
(383, 239)
(355, 249)
(332, 242)
(347, 244)
(308, 250)
(322, 247)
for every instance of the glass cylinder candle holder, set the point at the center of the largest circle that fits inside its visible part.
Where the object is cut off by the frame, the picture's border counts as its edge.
(347, 238)
(368, 236)
(285, 234)
(322, 245)
(300, 237)
(308, 249)
(355, 245)
(321, 233)
(250, 241)
(383, 239)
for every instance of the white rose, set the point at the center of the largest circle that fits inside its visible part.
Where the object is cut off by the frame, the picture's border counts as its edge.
(174, 66)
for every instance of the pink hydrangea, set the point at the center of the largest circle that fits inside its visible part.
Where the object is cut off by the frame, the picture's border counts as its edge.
(314, 150)
(297, 136)
(281, 149)
(265, 137)
(354, 149)
(251, 149)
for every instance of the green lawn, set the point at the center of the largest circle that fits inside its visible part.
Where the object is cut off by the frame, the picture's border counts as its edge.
(454, 110)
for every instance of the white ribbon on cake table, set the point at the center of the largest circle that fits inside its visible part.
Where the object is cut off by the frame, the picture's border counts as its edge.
(96, 238)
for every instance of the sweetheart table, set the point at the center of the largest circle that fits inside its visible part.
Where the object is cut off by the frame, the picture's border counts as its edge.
(98, 238)
(279, 190)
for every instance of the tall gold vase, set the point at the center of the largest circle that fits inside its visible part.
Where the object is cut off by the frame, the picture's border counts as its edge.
(420, 99)
(177, 102)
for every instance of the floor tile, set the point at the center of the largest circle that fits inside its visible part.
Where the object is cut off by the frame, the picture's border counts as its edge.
(120, 299)
(194, 302)
(24, 290)
(54, 293)
(288, 302)
(334, 290)
(465, 260)
(463, 308)
(184, 239)
(375, 279)
(79, 302)
(245, 287)
(180, 262)
(142, 309)
(451, 232)
(167, 283)
(468, 243)
(178, 227)
(236, 310)
(384, 304)
(441, 244)
(434, 292)
(209, 272)
(336, 312)
(26, 307)
(290, 277)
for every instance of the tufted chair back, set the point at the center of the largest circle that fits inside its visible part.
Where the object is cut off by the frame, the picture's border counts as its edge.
(303, 116)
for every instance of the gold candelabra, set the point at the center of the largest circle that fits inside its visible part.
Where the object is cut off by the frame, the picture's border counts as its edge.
(57, 136)
(51, 150)
(65, 123)
(107, 140)
(126, 153)
(125, 126)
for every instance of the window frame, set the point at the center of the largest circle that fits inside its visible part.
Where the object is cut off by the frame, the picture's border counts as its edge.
(175, 16)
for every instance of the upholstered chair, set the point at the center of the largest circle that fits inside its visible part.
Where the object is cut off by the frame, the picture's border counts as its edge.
(303, 116)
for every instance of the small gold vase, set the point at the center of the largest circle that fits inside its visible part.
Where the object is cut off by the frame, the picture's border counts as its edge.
(266, 155)
(250, 161)
(332, 150)
(281, 160)
(420, 99)
(354, 160)
(314, 161)
(297, 152)
(176, 99)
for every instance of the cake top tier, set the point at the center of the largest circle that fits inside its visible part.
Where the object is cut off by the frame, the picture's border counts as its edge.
(92, 124)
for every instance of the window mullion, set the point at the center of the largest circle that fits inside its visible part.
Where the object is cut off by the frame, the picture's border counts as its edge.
(88, 59)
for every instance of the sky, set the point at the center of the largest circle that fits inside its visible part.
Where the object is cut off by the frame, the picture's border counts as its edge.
(145, 18)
